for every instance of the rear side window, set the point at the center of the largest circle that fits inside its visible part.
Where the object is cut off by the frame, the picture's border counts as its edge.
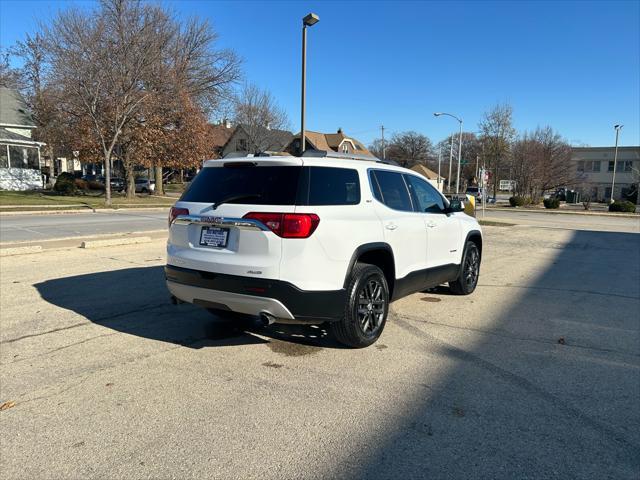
(390, 189)
(245, 185)
(426, 198)
(330, 186)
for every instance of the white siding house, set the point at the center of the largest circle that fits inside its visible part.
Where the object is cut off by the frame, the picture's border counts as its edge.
(19, 154)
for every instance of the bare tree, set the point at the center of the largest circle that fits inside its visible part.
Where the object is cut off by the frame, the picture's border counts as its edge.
(107, 63)
(409, 148)
(497, 133)
(541, 162)
(258, 114)
(377, 147)
(9, 77)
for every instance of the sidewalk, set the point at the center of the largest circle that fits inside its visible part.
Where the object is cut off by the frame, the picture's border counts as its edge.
(57, 210)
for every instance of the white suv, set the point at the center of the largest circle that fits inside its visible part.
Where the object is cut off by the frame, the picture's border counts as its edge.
(316, 239)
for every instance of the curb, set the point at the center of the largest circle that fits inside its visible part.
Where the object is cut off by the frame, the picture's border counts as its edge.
(87, 242)
(114, 242)
(556, 212)
(8, 252)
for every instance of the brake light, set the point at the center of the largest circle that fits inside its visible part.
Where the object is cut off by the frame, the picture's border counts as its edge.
(287, 225)
(175, 211)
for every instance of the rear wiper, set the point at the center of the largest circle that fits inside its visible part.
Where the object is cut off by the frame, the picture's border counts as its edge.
(233, 198)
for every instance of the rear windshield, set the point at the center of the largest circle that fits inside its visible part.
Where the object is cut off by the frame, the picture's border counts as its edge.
(264, 185)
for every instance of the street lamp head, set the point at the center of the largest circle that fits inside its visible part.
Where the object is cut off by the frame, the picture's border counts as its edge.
(310, 20)
(437, 114)
(618, 127)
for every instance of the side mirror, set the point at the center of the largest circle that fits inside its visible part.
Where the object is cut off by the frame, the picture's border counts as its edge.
(455, 205)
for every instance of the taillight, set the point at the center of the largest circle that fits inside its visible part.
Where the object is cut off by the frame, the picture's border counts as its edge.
(287, 225)
(175, 211)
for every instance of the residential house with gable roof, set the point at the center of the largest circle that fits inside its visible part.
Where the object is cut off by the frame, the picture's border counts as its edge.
(19, 153)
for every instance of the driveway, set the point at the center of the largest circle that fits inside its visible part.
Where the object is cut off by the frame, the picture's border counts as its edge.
(536, 375)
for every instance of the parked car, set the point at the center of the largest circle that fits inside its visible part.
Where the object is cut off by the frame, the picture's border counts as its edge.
(117, 184)
(475, 192)
(291, 239)
(144, 185)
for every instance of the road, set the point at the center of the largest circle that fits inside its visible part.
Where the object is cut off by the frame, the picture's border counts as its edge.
(22, 228)
(576, 221)
(536, 375)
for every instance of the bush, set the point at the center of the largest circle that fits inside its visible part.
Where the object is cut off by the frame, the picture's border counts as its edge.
(622, 206)
(93, 185)
(65, 184)
(81, 184)
(519, 201)
(551, 203)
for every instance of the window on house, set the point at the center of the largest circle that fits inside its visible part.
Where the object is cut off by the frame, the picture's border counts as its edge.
(580, 166)
(588, 166)
(241, 145)
(4, 157)
(621, 166)
(345, 148)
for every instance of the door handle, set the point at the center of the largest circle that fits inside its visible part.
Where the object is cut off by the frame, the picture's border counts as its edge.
(390, 226)
(432, 224)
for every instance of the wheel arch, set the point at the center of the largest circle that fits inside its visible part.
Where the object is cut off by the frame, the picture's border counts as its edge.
(379, 254)
(474, 236)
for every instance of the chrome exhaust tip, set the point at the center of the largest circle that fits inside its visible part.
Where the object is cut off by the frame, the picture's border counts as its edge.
(267, 319)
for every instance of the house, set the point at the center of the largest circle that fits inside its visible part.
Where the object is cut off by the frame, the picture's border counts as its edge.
(594, 171)
(256, 139)
(430, 175)
(328, 142)
(19, 154)
(220, 135)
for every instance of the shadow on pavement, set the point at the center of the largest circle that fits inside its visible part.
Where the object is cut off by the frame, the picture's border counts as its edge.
(136, 301)
(520, 402)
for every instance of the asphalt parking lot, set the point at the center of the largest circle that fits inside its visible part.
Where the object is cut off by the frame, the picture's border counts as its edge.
(536, 375)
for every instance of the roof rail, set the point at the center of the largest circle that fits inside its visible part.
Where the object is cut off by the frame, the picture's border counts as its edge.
(346, 156)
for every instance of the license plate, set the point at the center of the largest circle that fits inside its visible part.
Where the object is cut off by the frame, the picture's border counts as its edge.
(214, 237)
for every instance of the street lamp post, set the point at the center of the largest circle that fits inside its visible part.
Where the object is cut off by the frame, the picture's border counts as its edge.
(439, 162)
(307, 21)
(450, 162)
(615, 160)
(437, 114)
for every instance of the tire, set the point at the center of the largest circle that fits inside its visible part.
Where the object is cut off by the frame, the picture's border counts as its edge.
(366, 308)
(144, 190)
(467, 279)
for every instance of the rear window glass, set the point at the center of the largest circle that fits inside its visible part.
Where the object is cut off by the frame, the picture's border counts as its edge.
(247, 185)
(275, 186)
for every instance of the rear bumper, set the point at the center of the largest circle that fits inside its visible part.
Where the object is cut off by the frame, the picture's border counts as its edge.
(254, 295)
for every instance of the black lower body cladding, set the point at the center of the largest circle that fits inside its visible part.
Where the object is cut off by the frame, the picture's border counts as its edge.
(305, 305)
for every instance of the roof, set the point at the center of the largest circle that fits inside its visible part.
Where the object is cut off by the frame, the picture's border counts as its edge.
(279, 138)
(7, 136)
(425, 172)
(332, 141)
(220, 134)
(14, 110)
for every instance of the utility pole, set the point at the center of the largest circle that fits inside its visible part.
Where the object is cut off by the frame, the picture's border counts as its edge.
(383, 146)
(450, 162)
(615, 161)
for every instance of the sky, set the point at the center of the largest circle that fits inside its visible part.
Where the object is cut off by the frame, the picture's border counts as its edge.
(572, 65)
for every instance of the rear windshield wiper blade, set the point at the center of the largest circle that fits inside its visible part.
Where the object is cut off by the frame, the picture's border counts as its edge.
(233, 198)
